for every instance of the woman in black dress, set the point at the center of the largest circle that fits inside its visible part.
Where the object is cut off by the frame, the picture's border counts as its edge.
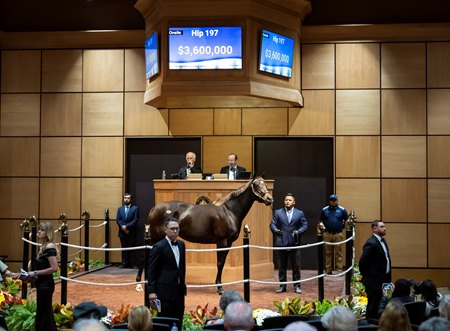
(46, 265)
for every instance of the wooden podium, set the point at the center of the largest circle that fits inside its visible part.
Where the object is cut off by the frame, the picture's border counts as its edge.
(202, 266)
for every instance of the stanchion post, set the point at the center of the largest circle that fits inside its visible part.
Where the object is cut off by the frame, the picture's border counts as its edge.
(26, 253)
(246, 252)
(320, 230)
(87, 217)
(107, 241)
(146, 257)
(63, 230)
(349, 246)
(33, 222)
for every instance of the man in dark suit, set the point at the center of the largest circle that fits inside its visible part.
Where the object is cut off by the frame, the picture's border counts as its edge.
(166, 272)
(128, 219)
(288, 224)
(375, 267)
(190, 167)
(232, 169)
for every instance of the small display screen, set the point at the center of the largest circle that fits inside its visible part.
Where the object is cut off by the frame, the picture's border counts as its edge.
(277, 53)
(151, 56)
(205, 48)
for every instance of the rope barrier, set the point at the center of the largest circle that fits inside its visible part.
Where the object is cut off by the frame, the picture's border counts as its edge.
(99, 284)
(98, 225)
(76, 229)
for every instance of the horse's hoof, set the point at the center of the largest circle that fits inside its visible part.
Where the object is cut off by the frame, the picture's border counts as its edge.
(220, 290)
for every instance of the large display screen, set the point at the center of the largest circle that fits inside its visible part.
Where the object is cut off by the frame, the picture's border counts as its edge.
(205, 47)
(151, 56)
(277, 53)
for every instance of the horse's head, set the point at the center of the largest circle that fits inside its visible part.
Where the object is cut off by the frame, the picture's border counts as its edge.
(261, 192)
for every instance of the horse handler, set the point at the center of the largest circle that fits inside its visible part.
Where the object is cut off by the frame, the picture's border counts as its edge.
(288, 224)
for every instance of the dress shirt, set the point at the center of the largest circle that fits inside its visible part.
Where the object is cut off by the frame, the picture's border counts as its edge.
(175, 250)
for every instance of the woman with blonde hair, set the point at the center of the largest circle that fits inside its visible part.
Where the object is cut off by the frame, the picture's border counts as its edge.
(394, 317)
(140, 319)
(46, 264)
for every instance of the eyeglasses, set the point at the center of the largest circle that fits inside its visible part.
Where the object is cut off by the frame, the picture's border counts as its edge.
(174, 229)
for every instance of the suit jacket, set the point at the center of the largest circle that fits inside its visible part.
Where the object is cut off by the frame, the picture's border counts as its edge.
(372, 264)
(131, 221)
(164, 276)
(280, 221)
(239, 169)
(182, 174)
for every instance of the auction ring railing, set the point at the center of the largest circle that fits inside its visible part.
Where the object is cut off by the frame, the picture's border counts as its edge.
(246, 281)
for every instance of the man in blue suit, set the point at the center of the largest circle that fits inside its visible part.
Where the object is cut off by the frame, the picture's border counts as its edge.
(288, 224)
(166, 272)
(127, 219)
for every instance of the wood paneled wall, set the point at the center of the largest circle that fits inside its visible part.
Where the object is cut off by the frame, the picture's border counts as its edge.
(65, 115)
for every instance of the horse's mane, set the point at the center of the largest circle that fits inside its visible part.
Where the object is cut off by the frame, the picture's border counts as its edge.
(232, 195)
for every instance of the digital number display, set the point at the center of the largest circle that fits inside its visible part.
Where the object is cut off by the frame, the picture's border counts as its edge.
(205, 48)
(151, 56)
(277, 52)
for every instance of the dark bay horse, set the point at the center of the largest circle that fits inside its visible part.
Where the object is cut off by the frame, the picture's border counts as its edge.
(216, 223)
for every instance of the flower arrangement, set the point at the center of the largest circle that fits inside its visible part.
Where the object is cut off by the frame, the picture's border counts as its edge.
(260, 314)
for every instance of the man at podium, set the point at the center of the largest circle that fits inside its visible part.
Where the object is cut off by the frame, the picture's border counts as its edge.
(232, 169)
(190, 167)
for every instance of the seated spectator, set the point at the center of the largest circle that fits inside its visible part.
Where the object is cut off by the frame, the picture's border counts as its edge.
(435, 324)
(239, 316)
(402, 292)
(88, 310)
(394, 317)
(140, 319)
(444, 308)
(430, 295)
(226, 298)
(299, 326)
(88, 324)
(340, 318)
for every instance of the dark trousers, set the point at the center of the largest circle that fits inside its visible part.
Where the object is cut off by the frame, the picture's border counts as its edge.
(127, 256)
(374, 295)
(174, 308)
(293, 255)
(44, 310)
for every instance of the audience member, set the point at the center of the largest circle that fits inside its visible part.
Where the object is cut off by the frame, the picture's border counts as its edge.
(444, 307)
(239, 316)
(430, 295)
(140, 319)
(88, 324)
(394, 317)
(435, 324)
(340, 318)
(299, 326)
(89, 310)
(225, 299)
(402, 292)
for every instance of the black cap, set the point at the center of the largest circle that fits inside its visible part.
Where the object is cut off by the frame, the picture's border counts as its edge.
(333, 197)
(89, 309)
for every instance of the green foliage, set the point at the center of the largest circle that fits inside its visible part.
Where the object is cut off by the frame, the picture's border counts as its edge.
(294, 306)
(323, 307)
(96, 263)
(21, 317)
(11, 286)
(188, 323)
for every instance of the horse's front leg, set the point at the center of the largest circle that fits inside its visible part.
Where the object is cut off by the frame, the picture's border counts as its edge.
(221, 258)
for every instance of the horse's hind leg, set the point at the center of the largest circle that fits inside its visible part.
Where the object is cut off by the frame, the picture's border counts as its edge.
(221, 258)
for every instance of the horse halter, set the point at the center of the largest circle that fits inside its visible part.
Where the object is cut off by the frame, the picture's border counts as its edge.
(260, 195)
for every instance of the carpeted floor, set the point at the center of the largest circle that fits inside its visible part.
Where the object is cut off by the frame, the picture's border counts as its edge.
(261, 295)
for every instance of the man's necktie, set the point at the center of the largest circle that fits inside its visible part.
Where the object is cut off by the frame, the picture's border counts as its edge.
(174, 243)
(126, 211)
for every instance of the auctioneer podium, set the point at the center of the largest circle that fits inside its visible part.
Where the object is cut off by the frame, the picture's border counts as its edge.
(201, 266)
